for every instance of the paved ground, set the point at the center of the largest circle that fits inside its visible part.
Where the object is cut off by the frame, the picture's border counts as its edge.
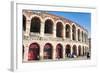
(66, 59)
(77, 58)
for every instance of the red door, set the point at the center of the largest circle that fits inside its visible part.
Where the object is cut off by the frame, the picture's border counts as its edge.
(33, 53)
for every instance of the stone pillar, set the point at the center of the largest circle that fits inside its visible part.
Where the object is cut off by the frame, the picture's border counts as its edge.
(71, 33)
(64, 35)
(86, 38)
(54, 31)
(41, 51)
(28, 25)
(77, 51)
(71, 49)
(26, 49)
(42, 28)
(54, 52)
(63, 52)
(81, 36)
(76, 34)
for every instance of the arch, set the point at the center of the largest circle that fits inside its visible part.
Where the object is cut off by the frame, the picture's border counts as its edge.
(34, 52)
(23, 50)
(59, 51)
(74, 50)
(59, 29)
(48, 51)
(48, 26)
(67, 32)
(24, 23)
(79, 50)
(35, 25)
(74, 32)
(68, 50)
(78, 34)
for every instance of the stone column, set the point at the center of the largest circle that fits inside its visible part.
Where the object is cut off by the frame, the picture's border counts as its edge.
(64, 35)
(71, 49)
(86, 38)
(63, 52)
(26, 49)
(80, 35)
(71, 33)
(76, 34)
(41, 51)
(54, 30)
(54, 52)
(83, 37)
(42, 28)
(77, 51)
(28, 25)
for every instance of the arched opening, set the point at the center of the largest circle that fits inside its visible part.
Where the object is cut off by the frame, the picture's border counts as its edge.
(83, 51)
(67, 31)
(59, 29)
(23, 52)
(24, 23)
(59, 51)
(78, 34)
(48, 26)
(48, 49)
(33, 53)
(68, 50)
(74, 32)
(35, 25)
(79, 50)
(74, 54)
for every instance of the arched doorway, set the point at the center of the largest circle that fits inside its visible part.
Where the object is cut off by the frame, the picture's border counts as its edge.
(48, 26)
(59, 29)
(68, 50)
(23, 52)
(24, 23)
(59, 51)
(48, 51)
(67, 31)
(83, 51)
(35, 25)
(74, 54)
(79, 50)
(34, 52)
(74, 32)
